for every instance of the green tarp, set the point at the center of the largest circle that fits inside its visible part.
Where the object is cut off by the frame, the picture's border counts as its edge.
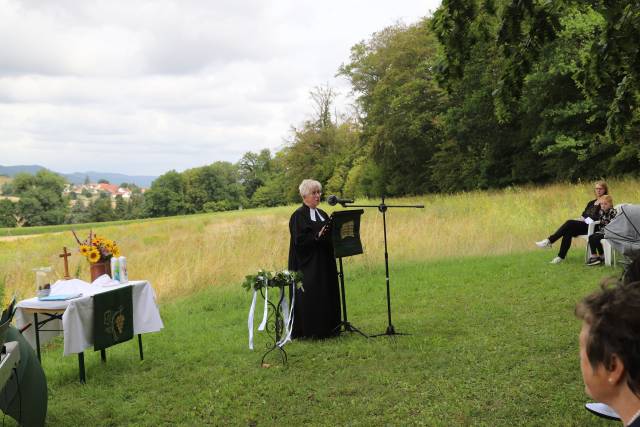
(24, 397)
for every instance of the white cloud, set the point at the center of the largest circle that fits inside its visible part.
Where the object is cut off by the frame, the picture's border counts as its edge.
(142, 87)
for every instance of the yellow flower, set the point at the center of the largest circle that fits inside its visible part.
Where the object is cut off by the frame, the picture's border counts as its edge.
(97, 247)
(94, 256)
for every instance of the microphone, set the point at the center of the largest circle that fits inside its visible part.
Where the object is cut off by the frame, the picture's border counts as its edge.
(334, 200)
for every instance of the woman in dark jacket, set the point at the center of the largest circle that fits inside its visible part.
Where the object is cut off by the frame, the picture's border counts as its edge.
(317, 304)
(575, 227)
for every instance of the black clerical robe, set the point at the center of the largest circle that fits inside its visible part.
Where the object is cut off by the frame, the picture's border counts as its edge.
(317, 307)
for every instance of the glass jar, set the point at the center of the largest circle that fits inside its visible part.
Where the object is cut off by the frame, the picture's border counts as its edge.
(44, 279)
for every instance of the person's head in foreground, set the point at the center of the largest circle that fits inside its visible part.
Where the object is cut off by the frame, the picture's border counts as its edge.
(610, 347)
(310, 191)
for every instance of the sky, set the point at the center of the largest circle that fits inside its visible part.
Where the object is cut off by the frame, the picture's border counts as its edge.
(144, 87)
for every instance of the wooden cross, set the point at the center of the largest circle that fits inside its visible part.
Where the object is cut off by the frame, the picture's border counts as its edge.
(65, 255)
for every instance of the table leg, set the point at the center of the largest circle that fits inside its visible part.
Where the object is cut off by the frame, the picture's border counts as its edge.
(140, 346)
(81, 367)
(37, 330)
(103, 355)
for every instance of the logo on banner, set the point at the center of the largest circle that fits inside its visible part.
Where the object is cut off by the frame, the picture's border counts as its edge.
(114, 322)
(347, 230)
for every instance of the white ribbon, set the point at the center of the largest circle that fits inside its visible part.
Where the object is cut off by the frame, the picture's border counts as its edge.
(263, 324)
(285, 309)
(252, 311)
(288, 317)
(250, 320)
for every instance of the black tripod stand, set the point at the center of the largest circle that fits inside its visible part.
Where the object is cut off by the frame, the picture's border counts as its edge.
(382, 207)
(345, 325)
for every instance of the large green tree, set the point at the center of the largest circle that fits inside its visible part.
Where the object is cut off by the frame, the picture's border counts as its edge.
(7, 210)
(400, 100)
(254, 170)
(166, 197)
(101, 209)
(594, 46)
(41, 201)
(311, 153)
(214, 187)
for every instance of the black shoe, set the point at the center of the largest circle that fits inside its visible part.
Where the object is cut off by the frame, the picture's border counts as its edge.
(594, 261)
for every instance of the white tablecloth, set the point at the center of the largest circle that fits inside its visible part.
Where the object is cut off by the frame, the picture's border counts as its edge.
(77, 319)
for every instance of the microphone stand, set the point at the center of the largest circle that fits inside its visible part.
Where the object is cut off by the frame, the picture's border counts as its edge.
(382, 207)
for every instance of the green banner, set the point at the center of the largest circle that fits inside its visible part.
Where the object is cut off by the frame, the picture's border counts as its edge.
(345, 233)
(112, 318)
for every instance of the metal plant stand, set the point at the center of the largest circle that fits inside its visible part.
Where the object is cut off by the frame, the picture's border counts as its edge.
(275, 328)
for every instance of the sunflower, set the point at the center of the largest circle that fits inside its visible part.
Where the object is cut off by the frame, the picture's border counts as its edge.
(116, 252)
(94, 256)
(84, 250)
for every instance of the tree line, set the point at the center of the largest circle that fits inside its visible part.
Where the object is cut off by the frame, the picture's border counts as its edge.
(483, 94)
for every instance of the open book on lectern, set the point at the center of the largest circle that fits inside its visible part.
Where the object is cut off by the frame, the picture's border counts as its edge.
(345, 233)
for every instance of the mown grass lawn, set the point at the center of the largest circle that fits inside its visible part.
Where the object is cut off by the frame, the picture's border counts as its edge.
(492, 341)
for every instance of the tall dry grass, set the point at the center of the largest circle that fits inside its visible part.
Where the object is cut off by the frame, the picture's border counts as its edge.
(184, 254)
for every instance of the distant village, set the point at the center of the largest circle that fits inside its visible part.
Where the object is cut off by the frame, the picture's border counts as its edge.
(84, 193)
(46, 199)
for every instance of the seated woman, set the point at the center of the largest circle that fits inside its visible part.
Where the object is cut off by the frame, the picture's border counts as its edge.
(575, 227)
(317, 304)
(610, 348)
(607, 213)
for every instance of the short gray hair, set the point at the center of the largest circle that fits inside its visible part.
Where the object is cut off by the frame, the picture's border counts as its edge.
(307, 186)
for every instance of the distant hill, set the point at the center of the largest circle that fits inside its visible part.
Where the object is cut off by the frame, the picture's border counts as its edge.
(114, 178)
(79, 177)
(13, 170)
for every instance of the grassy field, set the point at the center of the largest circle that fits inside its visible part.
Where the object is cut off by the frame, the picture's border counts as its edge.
(493, 339)
(186, 254)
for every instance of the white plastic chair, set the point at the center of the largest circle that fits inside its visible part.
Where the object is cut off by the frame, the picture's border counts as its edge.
(609, 253)
(590, 231)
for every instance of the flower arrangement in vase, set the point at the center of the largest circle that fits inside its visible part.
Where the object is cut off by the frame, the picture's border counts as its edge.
(98, 250)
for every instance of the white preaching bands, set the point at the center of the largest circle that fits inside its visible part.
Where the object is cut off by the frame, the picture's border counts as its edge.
(315, 212)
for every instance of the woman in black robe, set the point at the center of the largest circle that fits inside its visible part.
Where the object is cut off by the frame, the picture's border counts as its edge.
(317, 305)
